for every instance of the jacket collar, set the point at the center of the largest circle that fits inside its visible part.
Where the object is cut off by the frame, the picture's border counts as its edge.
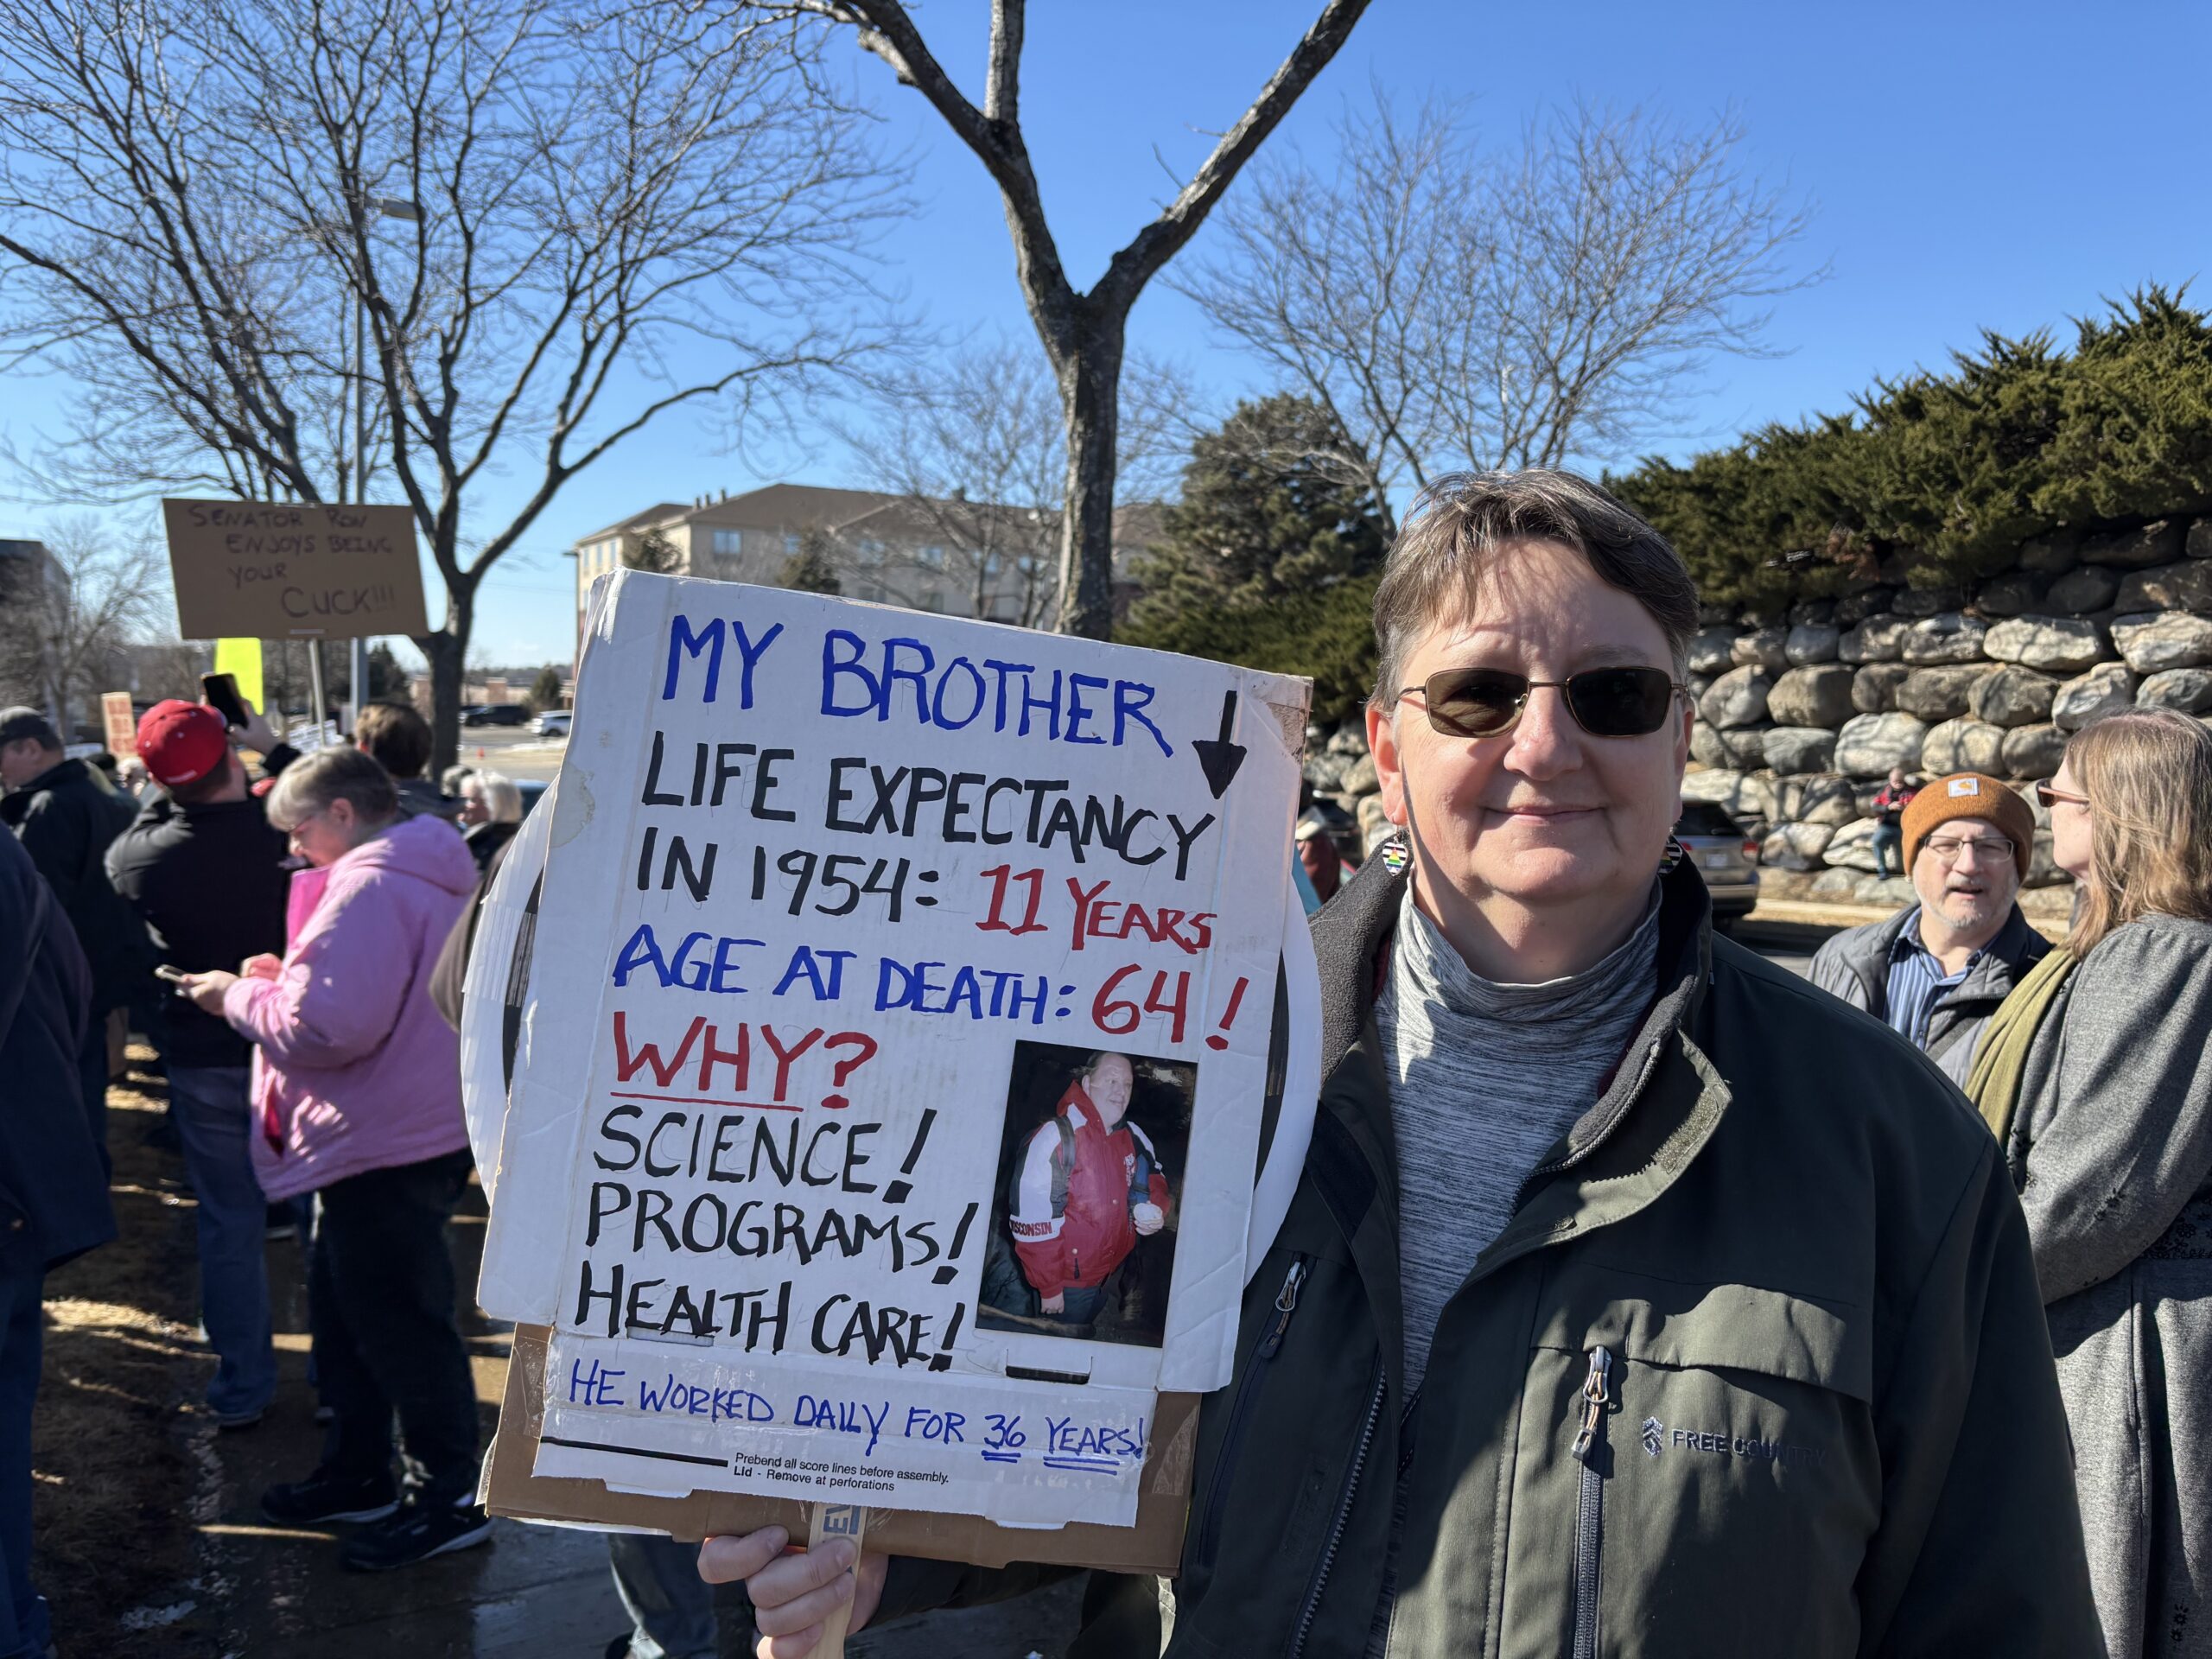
(1664, 1103)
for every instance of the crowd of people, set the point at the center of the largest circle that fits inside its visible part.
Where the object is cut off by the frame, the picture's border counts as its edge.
(1638, 1295)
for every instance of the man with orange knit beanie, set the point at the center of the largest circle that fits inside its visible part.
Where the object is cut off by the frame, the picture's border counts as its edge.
(1938, 969)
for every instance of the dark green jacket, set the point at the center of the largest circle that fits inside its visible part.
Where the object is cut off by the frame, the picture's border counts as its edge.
(66, 817)
(1829, 1422)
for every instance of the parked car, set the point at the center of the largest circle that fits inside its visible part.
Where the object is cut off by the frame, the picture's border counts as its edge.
(1726, 856)
(531, 789)
(496, 713)
(553, 723)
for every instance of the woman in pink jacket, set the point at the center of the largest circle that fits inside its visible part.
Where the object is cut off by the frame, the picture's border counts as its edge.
(357, 1091)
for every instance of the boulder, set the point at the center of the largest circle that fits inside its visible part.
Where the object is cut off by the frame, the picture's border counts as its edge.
(1350, 738)
(1361, 780)
(1791, 751)
(2058, 644)
(1374, 822)
(2083, 592)
(1927, 601)
(1853, 608)
(1763, 648)
(1815, 642)
(1949, 638)
(1870, 745)
(1740, 751)
(1933, 694)
(1699, 685)
(2048, 555)
(1325, 771)
(2033, 751)
(1824, 798)
(2199, 544)
(1745, 795)
(1882, 892)
(1737, 699)
(2188, 690)
(2100, 691)
(1796, 845)
(1819, 695)
(1877, 640)
(1851, 848)
(2012, 696)
(2174, 640)
(1811, 612)
(1963, 746)
(2013, 594)
(2170, 588)
(2043, 869)
(1834, 885)
(1874, 688)
(2156, 543)
(1709, 650)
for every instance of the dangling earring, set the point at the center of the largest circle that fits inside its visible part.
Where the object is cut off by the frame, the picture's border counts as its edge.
(1675, 854)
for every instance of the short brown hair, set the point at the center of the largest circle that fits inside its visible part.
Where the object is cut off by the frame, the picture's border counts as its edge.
(1457, 528)
(395, 735)
(315, 781)
(2148, 775)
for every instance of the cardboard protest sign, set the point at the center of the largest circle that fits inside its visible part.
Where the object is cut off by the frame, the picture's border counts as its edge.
(122, 725)
(284, 570)
(888, 1108)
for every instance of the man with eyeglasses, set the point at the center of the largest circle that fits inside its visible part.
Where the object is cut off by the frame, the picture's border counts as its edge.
(1938, 969)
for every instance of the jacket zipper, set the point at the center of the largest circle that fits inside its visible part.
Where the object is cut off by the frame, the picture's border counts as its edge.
(1311, 1610)
(1590, 1505)
(1269, 1346)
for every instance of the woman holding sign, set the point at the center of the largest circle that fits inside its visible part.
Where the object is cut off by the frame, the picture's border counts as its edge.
(1089, 1186)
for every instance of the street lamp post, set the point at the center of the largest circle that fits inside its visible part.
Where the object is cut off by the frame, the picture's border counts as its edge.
(385, 207)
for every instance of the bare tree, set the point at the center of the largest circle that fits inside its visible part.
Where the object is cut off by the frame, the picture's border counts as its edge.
(609, 222)
(63, 638)
(1452, 309)
(1083, 331)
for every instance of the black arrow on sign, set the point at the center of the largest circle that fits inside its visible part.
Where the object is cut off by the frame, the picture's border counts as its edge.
(1218, 757)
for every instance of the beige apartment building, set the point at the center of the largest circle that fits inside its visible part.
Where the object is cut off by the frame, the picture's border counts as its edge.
(955, 557)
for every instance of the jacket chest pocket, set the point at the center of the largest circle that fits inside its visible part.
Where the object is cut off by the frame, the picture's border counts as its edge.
(1696, 1471)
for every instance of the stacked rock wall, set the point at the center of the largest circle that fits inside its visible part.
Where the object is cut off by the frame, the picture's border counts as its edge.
(1802, 715)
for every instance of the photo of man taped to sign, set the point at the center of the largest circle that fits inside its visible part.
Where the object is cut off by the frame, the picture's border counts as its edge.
(864, 940)
(1084, 1234)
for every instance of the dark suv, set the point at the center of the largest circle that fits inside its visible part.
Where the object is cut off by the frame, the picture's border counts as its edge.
(496, 713)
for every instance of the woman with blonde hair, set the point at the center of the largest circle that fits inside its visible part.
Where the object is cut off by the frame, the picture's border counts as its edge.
(2097, 1076)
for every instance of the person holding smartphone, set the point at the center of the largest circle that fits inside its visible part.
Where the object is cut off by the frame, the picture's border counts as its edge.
(205, 869)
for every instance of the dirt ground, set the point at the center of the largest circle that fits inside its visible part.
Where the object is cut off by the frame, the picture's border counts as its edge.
(149, 1542)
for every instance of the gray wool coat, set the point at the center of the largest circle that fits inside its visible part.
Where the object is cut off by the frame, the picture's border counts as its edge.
(2112, 1150)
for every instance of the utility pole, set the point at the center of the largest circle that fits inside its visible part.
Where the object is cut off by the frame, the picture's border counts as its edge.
(387, 208)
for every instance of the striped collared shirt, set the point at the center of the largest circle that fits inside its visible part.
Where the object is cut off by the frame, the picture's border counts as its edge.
(1917, 982)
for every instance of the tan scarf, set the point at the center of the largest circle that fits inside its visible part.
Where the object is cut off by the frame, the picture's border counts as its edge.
(2000, 1060)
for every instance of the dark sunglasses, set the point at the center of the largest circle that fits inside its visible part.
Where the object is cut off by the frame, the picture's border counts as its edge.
(2048, 797)
(1605, 702)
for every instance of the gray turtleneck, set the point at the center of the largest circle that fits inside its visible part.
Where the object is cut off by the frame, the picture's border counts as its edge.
(1483, 1078)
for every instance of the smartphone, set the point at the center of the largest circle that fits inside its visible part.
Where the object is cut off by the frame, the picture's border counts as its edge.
(220, 692)
(174, 976)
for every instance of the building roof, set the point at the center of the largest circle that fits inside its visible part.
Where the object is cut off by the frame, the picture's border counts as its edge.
(660, 512)
(798, 506)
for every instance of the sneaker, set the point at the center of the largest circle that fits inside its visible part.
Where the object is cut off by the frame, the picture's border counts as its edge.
(237, 1419)
(322, 1497)
(415, 1534)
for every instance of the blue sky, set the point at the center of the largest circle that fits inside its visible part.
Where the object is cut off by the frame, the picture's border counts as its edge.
(1968, 166)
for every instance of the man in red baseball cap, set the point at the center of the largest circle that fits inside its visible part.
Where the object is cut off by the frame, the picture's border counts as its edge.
(209, 874)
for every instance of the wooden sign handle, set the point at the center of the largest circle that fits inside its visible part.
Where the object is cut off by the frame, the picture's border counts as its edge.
(837, 1520)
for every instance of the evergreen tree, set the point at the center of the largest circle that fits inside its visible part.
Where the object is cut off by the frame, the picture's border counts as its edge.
(545, 689)
(655, 553)
(812, 571)
(1272, 506)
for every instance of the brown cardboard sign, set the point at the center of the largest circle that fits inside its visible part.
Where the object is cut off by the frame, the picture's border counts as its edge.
(121, 724)
(1155, 1544)
(285, 570)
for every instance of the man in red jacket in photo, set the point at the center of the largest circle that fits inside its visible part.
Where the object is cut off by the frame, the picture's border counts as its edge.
(1089, 1187)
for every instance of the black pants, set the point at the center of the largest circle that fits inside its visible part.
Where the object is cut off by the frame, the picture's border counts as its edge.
(380, 1304)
